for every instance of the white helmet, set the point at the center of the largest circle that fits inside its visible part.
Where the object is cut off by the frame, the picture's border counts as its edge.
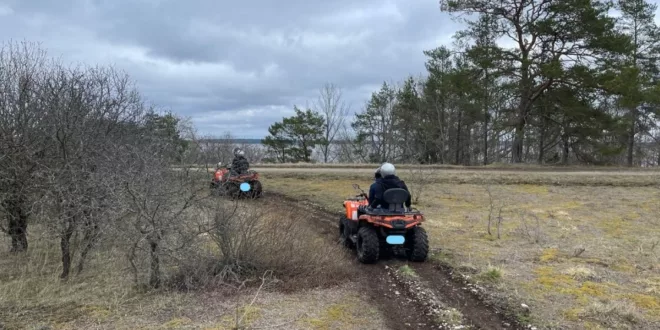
(387, 169)
(219, 165)
(240, 152)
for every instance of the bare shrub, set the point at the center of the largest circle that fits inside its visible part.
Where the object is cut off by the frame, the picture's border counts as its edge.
(217, 149)
(91, 115)
(77, 142)
(252, 240)
(491, 213)
(418, 182)
(531, 230)
(159, 204)
(22, 147)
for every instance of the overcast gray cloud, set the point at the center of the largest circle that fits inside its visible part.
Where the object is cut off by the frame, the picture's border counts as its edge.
(237, 65)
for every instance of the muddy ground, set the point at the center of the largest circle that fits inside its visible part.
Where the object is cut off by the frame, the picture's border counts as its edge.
(431, 298)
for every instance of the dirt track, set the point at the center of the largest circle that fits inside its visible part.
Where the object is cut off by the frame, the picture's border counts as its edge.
(410, 303)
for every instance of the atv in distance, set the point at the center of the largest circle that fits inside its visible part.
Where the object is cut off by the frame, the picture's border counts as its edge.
(241, 186)
(375, 232)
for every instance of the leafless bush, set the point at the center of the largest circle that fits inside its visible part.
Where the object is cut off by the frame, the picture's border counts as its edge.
(73, 139)
(217, 149)
(22, 112)
(156, 204)
(255, 153)
(220, 149)
(252, 240)
(491, 213)
(92, 113)
(418, 182)
(241, 311)
(532, 231)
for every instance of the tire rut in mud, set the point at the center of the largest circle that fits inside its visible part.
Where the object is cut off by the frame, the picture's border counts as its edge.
(412, 303)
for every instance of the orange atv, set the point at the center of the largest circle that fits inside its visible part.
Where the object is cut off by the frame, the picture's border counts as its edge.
(244, 185)
(374, 232)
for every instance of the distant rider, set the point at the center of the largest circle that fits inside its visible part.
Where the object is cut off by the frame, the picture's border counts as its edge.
(239, 165)
(389, 180)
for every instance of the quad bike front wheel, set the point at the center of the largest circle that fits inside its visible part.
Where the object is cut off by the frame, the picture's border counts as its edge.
(256, 189)
(417, 244)
(368, 245)
(232, 190)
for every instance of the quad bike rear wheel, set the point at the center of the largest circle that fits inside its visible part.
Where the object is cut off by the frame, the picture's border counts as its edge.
(344, 235)
(417, 244)
(368, 245)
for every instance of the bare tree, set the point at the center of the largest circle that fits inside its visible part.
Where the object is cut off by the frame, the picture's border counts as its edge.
(217, 149)
(22, 112)
(157, 201)
(92, 115)
(334, 111)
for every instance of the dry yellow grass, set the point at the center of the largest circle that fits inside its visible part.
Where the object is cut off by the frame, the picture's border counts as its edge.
(570, 252)
(104, 297)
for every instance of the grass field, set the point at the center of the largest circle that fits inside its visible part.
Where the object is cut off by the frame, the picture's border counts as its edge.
(580, 248)
(105, 297)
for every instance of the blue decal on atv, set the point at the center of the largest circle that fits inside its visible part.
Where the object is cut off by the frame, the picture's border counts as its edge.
(245, 187)
(395, 239)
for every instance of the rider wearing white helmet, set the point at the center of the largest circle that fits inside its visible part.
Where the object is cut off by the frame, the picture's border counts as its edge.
(389, 180)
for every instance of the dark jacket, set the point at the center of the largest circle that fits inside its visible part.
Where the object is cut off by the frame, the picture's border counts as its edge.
(372, 190)
(379, 188)
(239, 165)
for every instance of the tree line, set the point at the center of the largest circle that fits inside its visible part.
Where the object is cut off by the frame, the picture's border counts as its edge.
(549, 82)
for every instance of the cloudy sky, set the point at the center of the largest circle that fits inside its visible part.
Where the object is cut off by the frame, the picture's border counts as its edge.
(237, 66)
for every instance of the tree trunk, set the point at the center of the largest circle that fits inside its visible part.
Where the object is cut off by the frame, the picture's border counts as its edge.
(523, 106)
(89, 238)
(526, 154)
(466, 154)
(486, 116)
(65, 248)
(518, 139)
(631, 139)
(486, 139)
(458, 138)
(17, 223)
(154, 276)
(565, 150)
(542, 142)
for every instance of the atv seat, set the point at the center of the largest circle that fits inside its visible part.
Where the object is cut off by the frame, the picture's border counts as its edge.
(395, 198)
